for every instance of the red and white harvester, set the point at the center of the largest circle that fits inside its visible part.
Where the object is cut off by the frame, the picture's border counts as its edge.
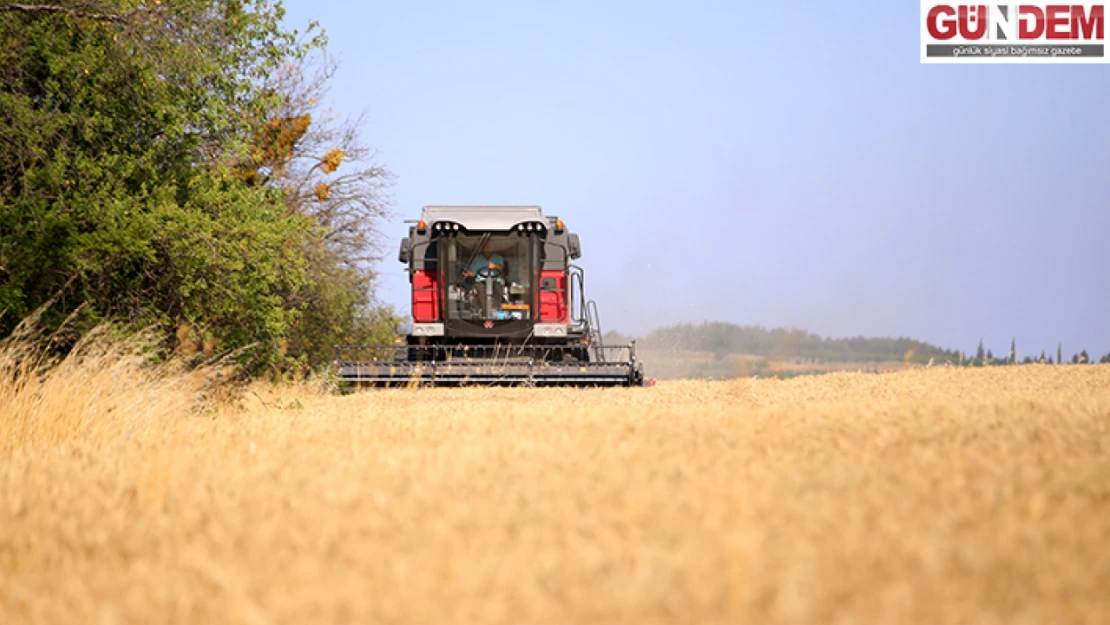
(496, 300)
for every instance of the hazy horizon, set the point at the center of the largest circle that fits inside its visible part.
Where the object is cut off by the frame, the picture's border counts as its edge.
(775, 165)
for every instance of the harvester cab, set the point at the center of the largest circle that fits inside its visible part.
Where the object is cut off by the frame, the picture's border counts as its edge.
(496, 299)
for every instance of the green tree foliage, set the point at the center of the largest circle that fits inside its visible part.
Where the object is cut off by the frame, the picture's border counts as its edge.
(135, 136)
(336, 309)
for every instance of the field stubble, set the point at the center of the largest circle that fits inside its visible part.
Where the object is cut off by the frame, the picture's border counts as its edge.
(925, 496)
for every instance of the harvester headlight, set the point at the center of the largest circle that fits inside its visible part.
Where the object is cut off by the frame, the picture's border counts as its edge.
(456, 226)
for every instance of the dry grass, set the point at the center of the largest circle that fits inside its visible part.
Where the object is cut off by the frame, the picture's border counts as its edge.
(938, 496)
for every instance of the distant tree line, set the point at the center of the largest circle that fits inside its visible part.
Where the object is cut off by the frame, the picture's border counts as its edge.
(722, 339)
(985, 357)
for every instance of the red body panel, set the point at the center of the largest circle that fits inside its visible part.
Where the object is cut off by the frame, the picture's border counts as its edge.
(553, 304)
(425, 296)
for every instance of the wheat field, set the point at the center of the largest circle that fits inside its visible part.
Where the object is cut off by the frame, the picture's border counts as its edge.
(924, 496)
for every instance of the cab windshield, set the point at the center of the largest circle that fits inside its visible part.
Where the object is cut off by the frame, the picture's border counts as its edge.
(489, 276)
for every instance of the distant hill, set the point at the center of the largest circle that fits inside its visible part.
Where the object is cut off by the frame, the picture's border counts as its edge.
(722, 339)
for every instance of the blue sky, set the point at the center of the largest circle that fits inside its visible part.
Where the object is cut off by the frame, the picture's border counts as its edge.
(784, 164)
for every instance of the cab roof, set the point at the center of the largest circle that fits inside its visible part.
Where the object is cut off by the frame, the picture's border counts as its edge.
(484, 217)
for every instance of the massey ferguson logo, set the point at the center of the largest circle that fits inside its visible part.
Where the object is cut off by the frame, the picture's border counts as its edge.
(1013, 33)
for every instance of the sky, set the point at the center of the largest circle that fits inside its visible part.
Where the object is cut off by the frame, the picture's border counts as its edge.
(780, 164)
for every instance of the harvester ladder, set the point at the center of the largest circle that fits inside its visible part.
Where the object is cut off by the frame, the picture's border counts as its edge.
(593, 330)
(584, 315)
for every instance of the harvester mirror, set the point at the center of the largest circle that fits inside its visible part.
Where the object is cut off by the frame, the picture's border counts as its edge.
(575, 247)
(404, 254)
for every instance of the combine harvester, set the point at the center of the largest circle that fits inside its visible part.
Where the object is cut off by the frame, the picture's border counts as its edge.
(495, 301)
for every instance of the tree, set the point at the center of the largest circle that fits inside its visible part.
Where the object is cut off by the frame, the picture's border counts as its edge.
(328, 177)
(980, 354)
(1084, 358)
(123, 190)
(1060, 353)
(1013, 350)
